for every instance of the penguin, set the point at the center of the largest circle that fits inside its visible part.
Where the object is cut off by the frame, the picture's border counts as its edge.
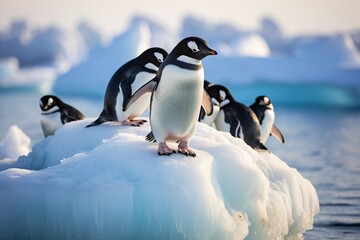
(125, 81)
(177, 94)
(62, 113)
(264, 110)
(209, 120)
(235, 117)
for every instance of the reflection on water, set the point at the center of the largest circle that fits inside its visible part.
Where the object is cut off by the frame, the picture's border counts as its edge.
(323, 144)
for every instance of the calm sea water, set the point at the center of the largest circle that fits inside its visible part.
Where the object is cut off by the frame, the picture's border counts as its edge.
(322, 143)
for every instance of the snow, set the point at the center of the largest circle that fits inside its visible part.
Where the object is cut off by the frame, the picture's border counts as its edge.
(107, 182)
(16, 143)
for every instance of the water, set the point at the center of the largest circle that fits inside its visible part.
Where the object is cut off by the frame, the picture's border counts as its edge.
(322, 143)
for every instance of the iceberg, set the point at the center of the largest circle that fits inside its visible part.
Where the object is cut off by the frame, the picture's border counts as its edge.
(107, 182)
(40, 78)
(31, 59)
(247, 58)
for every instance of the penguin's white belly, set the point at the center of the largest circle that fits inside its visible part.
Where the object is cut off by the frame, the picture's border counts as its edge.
(138, 107)
(176, 103)
(267, 125)
(220, 123)
(209, 120)
(50, 123)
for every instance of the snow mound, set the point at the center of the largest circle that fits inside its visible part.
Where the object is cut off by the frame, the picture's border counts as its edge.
(107, 182)
(16, 143)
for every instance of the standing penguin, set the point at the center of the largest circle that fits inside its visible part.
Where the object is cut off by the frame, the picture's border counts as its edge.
(177, 95)
(127, 80)
(203, 117)
(62, 113)
(264, 110)
(235, 117)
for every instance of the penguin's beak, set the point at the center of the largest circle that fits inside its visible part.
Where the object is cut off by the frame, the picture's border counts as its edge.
(208, 51)
(212, 52)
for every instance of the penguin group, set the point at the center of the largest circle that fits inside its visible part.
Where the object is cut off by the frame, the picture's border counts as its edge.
(254, 123)
(172, 86)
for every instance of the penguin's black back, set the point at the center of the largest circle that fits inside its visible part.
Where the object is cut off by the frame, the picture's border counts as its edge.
(234, 112)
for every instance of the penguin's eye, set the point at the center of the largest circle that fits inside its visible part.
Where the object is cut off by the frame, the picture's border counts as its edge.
(193, 46)
(222, 95)
(159, 57)
(265, 101)
(50, 101)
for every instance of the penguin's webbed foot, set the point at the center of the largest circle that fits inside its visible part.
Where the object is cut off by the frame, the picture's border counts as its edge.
(184, 148)
(164, 149)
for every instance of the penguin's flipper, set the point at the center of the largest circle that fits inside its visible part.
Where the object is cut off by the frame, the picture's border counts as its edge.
(206, 103)
(201, 114)
(146, 88)
(277, 134)
(235, 127)
(70, 116)
(125, 86)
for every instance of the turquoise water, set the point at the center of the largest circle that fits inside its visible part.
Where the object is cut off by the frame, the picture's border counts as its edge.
(322, 143)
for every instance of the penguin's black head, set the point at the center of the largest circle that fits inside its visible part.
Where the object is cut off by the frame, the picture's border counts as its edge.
(263, 101)
(193, 47)
(154, 55)
(220, 95)
(48, 102)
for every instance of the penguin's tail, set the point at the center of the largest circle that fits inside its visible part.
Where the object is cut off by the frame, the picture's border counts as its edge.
(96, 122)
(104, 117)
(260, 146)
(150, 137)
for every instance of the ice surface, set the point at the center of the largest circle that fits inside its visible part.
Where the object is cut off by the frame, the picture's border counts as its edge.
(16, 143)
(107, 182)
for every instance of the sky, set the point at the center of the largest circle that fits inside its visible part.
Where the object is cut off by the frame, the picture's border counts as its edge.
(112, 16)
